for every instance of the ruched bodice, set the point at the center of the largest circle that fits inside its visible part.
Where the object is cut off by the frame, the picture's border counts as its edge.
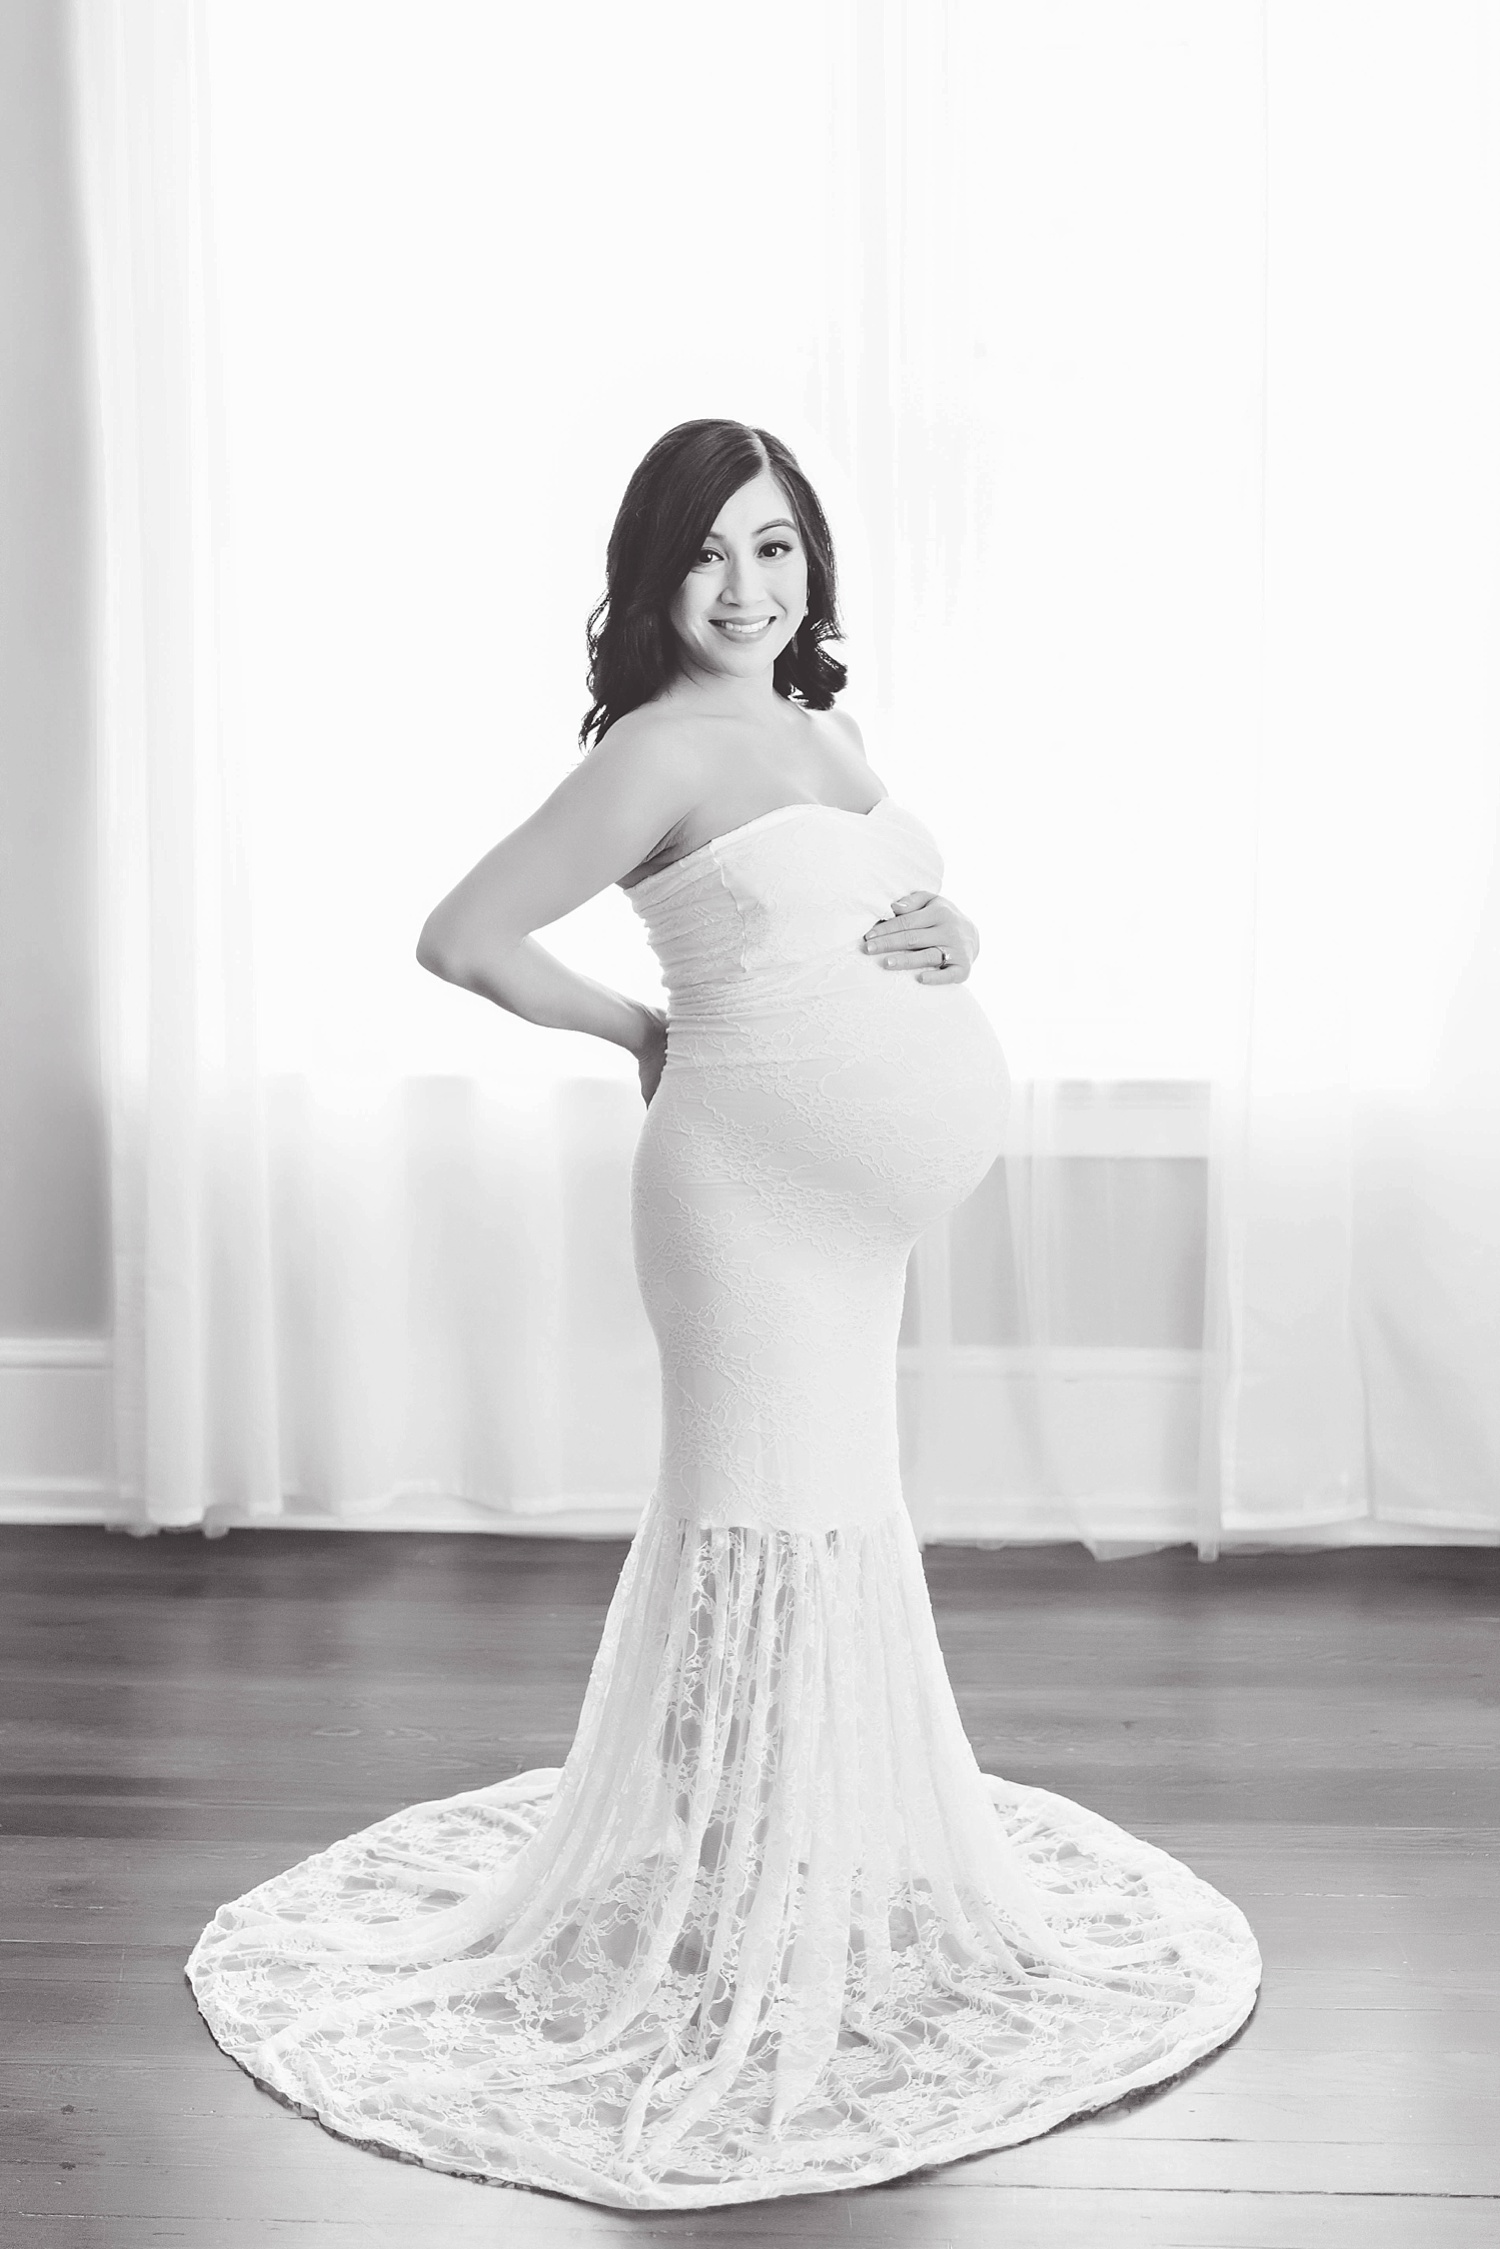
(772, 912)
(758, 934)
(770, 1930)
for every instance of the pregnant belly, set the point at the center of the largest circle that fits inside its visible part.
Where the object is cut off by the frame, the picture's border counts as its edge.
(789, 1159)
(870, 1110)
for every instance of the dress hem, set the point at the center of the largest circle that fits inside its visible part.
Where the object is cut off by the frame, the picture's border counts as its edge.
(963, 2147)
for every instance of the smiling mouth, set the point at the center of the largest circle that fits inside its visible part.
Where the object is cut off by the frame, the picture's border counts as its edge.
(736, 628)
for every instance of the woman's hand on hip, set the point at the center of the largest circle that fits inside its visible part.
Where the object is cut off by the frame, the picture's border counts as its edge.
(651, 1051)
(920, 929)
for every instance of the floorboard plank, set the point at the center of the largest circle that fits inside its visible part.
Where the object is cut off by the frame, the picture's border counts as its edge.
(902, 2216)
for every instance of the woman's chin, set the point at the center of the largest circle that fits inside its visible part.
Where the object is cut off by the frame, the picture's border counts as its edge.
(725, 659)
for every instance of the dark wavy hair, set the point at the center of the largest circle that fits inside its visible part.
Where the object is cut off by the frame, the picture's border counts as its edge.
(667, 512)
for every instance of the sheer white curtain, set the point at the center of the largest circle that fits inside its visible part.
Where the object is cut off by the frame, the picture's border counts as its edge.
(1140, 352)
(1359, 1172)
(194, 1390)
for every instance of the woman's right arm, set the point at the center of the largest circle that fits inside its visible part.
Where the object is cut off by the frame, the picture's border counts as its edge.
(610, 813)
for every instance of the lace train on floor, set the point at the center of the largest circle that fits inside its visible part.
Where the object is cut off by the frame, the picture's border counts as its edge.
(769, 1931)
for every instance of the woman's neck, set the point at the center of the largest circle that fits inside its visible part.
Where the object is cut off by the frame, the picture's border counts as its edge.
(710, 695)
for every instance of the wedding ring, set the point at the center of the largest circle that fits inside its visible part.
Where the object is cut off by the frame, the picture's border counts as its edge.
(943, 960)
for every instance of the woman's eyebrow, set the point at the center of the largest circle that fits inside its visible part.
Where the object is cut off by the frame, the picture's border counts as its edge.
(782, 523)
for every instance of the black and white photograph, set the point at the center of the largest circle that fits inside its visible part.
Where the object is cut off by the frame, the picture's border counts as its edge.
(750, 1124)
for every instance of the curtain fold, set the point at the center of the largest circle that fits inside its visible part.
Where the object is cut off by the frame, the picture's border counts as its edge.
(1357, 1187)
(195, 1418)
(460, 1340)
(1146, 357)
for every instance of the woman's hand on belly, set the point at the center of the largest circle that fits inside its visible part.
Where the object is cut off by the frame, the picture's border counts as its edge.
(919, 929)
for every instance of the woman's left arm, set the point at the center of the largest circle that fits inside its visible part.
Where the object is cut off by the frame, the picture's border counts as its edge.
(919, 929)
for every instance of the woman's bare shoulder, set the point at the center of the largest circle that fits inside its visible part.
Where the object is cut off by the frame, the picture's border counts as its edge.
(845, 725)
(650, 750)
(653, 736)
(842, 734)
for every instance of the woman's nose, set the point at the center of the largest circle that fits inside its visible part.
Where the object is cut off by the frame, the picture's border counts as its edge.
(740, 578)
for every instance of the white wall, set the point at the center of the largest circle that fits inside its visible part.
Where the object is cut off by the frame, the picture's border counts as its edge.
(53, 1268)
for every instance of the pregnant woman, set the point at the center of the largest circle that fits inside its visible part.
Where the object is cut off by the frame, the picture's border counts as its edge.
(769, 1930)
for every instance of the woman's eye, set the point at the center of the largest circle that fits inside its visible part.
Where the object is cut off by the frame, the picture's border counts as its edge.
(773, 547)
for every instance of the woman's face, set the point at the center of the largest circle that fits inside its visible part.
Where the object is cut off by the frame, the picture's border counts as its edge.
(746, 594)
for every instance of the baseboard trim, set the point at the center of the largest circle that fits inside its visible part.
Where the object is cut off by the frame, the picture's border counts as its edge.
(56, 1499)
(85, 1502)
(56, 1462)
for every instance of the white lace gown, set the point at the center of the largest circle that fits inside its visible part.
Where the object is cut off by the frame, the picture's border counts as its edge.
(769, 1930)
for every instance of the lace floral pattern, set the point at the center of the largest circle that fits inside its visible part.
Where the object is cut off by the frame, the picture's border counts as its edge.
(770, 1930)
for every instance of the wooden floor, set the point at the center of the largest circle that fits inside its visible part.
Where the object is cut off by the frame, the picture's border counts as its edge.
(1314, 1733)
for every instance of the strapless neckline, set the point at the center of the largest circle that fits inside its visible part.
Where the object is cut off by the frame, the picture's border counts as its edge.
(746, 827)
